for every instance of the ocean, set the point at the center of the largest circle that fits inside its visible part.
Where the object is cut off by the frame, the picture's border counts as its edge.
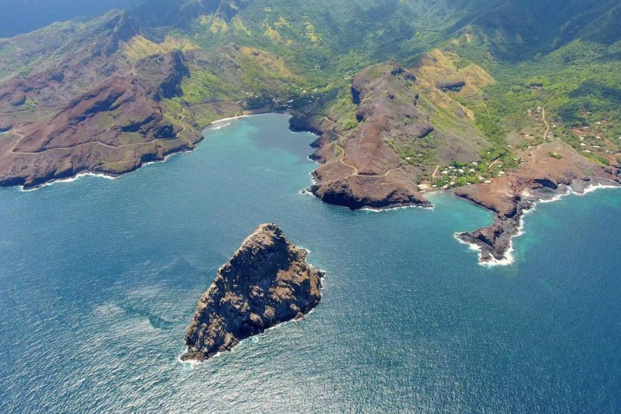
(100, 278)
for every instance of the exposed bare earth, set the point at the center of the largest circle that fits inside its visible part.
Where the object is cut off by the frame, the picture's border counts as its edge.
(542, 177)
(112, 128)
(360, 169)
(395, 145)
(112, 101)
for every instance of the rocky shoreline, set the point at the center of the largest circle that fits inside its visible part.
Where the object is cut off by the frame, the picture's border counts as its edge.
(52, 176)
(495, 242)
(334, 183)
(265, 283)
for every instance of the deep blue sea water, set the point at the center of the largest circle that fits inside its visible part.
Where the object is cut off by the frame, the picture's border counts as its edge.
(99, 278)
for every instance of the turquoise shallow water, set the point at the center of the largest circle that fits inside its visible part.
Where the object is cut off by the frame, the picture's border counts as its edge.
(99, 278)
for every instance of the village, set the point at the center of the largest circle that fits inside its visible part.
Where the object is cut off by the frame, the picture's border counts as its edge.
(596, 141)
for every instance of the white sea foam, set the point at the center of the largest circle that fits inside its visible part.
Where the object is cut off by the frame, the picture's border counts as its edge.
(181, 361)
(308, 193)
(67, 180)
(383, 210)
(313, 160)
(166, 158)
(509, 258)
(595, 187)
(313, 179)
(215, 128)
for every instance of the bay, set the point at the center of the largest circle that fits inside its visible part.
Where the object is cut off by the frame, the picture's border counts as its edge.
(99, 279)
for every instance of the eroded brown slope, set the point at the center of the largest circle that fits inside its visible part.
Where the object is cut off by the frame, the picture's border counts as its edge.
(359, 168)
(112, 128)
(394, 146)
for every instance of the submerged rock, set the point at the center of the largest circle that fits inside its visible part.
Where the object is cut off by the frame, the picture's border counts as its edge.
(266, 282)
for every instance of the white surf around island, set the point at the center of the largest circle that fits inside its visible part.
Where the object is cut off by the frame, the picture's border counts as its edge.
(191, 364)
(509, 258)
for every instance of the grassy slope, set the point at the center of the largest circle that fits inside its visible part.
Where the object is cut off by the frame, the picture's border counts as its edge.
(579, 85)
(253, 53)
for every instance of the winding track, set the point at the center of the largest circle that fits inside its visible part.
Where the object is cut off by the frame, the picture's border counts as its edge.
(434, 175)
(21, 137)
(342, 161)
(356, 173)
(545, 121)
(545, 134)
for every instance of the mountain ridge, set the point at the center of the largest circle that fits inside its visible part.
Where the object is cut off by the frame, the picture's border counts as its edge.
(460, 119)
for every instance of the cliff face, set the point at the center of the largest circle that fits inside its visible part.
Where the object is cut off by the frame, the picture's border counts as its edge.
(266, 282)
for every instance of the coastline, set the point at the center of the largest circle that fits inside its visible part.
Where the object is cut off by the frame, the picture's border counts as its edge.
(508, 257)
(484, 257)
(355, 191)
(103, 174)
(76, 177)
(112, 176)
(386, 209)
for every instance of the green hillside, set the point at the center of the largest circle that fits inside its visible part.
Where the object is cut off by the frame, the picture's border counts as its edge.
(562, 55)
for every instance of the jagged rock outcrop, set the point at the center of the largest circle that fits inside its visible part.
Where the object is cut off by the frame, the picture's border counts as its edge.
(266, 282)
(508, 198)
